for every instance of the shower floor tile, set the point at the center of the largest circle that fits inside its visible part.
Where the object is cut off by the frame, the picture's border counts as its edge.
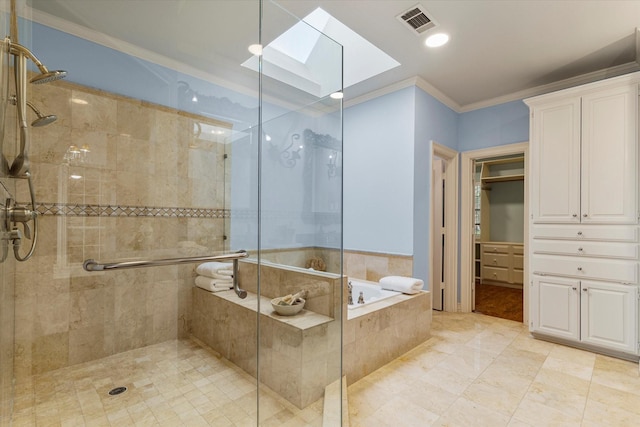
(175, 383)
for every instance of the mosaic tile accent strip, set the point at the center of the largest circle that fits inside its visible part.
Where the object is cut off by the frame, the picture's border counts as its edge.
(73, 209)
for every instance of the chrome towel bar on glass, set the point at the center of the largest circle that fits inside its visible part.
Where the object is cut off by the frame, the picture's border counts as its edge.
(93, 265)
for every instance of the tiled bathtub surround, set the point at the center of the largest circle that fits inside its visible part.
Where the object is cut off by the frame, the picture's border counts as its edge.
(150, 186)
(299, 355)
(380, 332)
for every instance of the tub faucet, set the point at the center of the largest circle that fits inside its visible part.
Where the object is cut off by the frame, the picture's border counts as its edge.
(361, 298)
(350, 288)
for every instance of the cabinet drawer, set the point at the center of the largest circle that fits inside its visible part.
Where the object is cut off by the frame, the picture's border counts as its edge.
(587, 248)
(495, 260)
(518, 262)
(586, 232)
(518, 250)
(586, 268)
(493, 273)
(501, 249)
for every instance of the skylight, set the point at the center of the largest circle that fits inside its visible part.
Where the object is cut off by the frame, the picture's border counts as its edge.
(290, 57)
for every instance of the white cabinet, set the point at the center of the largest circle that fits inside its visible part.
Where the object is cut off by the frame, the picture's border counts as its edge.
(584, 239)
(587, 311)
(584, 166)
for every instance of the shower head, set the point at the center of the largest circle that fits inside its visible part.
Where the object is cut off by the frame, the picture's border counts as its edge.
(44, 120)
(45, 76)
(49, 76)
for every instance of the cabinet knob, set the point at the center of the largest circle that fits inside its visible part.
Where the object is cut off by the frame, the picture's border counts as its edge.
(495, 261)
(574, 288)
(579, 268)
(584, 215)
(575, 215)
(584, 289)
(579, 233)
(580, 249)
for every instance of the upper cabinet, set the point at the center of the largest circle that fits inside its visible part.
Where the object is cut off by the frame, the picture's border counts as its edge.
(584, 155)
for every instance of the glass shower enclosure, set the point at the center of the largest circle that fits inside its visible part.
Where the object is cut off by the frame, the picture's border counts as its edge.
(185, 133)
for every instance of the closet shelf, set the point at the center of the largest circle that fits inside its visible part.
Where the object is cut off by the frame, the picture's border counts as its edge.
(502, 178)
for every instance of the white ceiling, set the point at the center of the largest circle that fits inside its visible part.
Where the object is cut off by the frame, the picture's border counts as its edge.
(499, 50)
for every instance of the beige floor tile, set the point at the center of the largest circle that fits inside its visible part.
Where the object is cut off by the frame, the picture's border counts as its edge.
(464, 412)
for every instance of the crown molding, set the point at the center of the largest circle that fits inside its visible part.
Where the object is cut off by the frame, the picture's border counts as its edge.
(618, 70)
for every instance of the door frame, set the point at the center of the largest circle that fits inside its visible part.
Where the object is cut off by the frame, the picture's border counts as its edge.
(467, 276)
(450, 254)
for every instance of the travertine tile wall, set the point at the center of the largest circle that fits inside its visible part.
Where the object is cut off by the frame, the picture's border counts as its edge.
(370, 266)
(141, 157)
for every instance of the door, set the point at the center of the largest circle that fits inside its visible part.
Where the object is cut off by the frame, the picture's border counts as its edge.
(437, 273)
(609, 156)
(556, 162)
(609, 315)
(555, 306)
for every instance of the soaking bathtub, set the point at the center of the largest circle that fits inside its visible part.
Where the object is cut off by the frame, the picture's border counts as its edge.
(371, 292)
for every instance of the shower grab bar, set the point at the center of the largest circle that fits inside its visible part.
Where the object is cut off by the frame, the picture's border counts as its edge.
(93, 265)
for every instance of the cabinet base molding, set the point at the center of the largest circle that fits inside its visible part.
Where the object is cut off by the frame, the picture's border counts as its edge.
(502, 284)
(595, 349)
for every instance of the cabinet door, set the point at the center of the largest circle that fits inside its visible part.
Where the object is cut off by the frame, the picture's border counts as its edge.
(555, 307)
(609, 316)
(555, 162)
(609, 156)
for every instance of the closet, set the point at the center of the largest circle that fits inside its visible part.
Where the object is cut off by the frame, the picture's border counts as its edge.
(584, 232)
(499, 233)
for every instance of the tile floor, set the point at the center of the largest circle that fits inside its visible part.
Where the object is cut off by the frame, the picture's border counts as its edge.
(175, 383)
(476, 370)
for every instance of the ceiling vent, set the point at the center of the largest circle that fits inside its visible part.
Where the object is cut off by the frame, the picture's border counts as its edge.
(417, 19)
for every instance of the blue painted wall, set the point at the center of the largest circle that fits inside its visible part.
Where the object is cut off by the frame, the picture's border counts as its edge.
(378, 174)
(492, 126)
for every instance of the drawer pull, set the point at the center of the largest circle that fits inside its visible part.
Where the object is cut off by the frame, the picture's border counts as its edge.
(574, 288)
(580, 250)
(579, 268)
(495, 261)
(584, 289)
(575, 215)
(579, 233)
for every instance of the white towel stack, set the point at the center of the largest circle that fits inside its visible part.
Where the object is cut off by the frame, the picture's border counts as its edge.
(214, 276)
(406, 285)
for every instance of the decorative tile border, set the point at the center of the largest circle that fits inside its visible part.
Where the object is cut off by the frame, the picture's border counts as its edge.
(73, 209)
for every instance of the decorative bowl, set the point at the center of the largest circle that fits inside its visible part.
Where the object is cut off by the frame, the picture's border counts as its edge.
(287, 310)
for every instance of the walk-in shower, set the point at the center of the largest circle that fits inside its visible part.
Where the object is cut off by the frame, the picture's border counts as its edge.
(158, 160)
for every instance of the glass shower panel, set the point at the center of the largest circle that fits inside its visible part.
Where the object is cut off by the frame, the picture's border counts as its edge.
(300, 236)
(134, 168)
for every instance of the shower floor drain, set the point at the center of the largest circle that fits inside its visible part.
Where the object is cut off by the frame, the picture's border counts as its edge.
(118, 390)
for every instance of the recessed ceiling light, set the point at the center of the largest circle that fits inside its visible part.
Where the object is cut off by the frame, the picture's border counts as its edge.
(337, 95)
(437, 40)
(256, 49)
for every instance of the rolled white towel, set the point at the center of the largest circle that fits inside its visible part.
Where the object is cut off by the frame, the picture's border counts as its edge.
(215, 270)
(406, 285)
(213, 285)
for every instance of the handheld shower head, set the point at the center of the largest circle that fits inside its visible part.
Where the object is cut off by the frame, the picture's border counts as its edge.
(44, 120)
(41, 120)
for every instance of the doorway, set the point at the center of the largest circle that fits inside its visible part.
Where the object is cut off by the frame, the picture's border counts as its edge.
(498, 198)
(443, 228)
(486, 258)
